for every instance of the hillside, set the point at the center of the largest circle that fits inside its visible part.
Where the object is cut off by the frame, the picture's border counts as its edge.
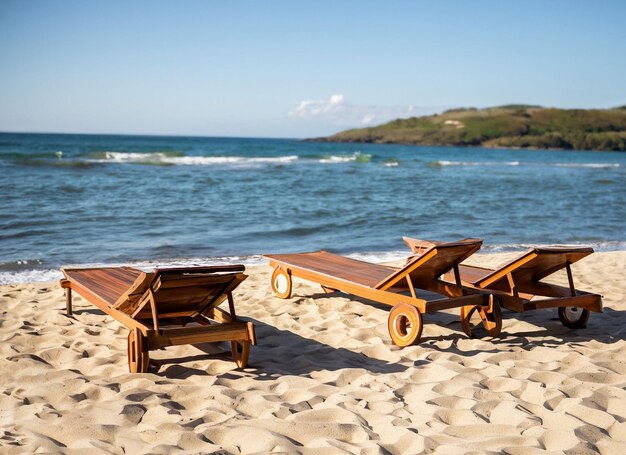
(518, 126)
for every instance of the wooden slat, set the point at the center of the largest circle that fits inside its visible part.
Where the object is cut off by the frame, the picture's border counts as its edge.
(433, 259)
(177, 281)
(427, 267)
(213, 269)
(108, 283)
(204, 334)
(535, 264)
(469, 274)
(336, 266)
(456, 302)
(107, 307)
(591, 302)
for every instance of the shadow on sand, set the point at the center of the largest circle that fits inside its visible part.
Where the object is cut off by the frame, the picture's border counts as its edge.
(281, 352)
(278, 353)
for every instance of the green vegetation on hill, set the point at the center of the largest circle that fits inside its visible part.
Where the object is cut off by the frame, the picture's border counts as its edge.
(515, 125)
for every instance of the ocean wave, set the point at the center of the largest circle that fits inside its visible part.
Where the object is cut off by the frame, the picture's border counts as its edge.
(591, 165)
(28, 270)
(381, 256)
(132, 157)
(211, 160)
(612, 245)
(189, 160)
(356, 156)
(30, 276)
(391, 162)
(475, 163)
(23, 271)
(165, 158)
(518, 163)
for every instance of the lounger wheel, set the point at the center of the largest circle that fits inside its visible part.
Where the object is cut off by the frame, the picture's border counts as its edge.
(405, 325)
(138, 358)
(574, 317)
(281, 283)
(241, 352)
(491, 317)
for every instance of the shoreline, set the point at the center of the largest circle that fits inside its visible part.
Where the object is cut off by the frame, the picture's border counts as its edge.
(324, 378)
(26, 276)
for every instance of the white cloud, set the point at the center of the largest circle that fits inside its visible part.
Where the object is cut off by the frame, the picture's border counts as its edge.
(337, 111)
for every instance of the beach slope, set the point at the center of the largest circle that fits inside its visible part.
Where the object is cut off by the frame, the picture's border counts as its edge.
(324, 378)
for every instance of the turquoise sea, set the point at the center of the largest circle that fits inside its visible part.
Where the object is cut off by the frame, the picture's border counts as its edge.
(95, 199)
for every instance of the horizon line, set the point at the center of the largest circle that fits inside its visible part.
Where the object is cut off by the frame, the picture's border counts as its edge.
(199, 136)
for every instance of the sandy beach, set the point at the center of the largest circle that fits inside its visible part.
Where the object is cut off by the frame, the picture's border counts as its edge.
(324, 378)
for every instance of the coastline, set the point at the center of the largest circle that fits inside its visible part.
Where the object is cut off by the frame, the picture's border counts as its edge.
(324, 378)
(483, 145)
(510, 126)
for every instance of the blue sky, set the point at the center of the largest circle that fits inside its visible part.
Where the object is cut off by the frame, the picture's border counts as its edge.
(290, 69)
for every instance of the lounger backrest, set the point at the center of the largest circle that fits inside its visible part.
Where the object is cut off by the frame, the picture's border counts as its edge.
(130, 298)
(534, 264)
(181, 292)
(429, 265)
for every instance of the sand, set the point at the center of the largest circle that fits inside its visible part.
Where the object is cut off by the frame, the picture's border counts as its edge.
(324, 378)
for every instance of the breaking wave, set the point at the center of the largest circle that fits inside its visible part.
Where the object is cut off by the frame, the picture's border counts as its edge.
(181, 160)
(356, 156)
(518, 163)
(591, 165)
(173, 159)
(27, 271)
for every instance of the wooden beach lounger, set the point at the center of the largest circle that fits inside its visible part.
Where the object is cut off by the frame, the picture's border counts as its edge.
(518, 285)
(402, 288)
(167, 307)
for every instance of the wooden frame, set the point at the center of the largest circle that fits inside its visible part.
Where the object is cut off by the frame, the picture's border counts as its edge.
(517, 283)
(402, 288)
(167, 307)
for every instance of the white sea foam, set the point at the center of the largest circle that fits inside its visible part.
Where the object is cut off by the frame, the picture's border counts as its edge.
(477, 163)
(381, 256)
(30, 276)
(125, 157)
(39, 275)
(613, 245)
(518, 163)
(235, 160)
(164, 158)
(591, 165)
(356, 156)
(337, 159)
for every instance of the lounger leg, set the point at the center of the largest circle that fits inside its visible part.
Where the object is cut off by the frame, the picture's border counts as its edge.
(241, 352)
(138, 357)
(68, 301)
(573, 317)
(490, 316)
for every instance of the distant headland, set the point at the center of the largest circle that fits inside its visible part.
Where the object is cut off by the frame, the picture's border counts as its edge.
(510, 126)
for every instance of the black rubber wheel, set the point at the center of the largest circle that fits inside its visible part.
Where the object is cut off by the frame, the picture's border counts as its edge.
(573, 317)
